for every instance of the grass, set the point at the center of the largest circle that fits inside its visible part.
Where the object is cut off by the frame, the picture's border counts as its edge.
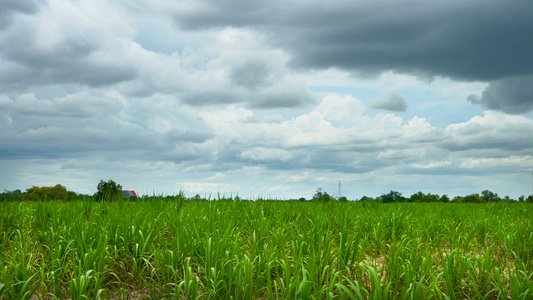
(265, 250)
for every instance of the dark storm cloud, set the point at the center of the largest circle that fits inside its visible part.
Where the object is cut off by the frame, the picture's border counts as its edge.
(62, 139)
(212, 13)
(91, 74)
(84, 124)
(10, 7)
(464, 40)
(250, 75)
(324, 158)
(281, 98)
(512, 95)
(391, 102)
(473, 40)
(72, 60)
(56, 46)
(210, 98)
(271, 97)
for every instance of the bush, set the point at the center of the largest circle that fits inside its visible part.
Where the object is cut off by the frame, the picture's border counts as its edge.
(57, 192)
(474, 198)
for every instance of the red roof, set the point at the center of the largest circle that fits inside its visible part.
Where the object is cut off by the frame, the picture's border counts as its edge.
(129, 194)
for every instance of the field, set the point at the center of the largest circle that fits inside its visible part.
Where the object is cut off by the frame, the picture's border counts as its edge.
(265, 250)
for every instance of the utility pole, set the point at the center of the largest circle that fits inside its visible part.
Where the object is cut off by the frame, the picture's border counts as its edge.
(340, 193)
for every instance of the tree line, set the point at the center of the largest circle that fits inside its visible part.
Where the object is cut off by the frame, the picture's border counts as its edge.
(111, 191)
(486, 196)
(105, 191)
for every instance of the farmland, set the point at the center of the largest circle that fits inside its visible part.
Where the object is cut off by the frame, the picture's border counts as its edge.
(265, 250)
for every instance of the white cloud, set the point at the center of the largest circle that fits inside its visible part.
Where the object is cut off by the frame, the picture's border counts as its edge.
(346, 110)
(218, 176)
(95, 90)
(224, 189)
(494, 130)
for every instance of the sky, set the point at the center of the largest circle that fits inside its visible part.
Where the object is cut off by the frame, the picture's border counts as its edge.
(268, 99)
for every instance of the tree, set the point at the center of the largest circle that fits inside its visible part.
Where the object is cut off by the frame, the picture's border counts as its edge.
(196, 197)
(108, 191)
(7, 195)
(57, 192)
(34, 193)
(393, 196)
(366, 199)
(417, 197)
(432, 198)
(72, 196)
(489, 196)
(474, 198)
(444, 198)
(343, 199)
(457, 199)
(321, 195)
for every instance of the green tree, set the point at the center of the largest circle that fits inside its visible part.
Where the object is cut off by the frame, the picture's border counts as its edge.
(489, 196)
(321, 195)
(7, 195)
(72, 196)
(393, 196)
(444, 198)
(474, 198)
(57, 192)
(366, 199)
(34, 193)
(417, 197)
(432, 198)
(196, 197)
(108, 191)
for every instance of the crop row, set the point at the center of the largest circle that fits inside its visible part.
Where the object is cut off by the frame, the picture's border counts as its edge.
(265, 250)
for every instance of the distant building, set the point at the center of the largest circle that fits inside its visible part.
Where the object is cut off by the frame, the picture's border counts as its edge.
(130, 195)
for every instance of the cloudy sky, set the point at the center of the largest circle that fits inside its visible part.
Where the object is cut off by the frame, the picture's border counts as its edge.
(268, 98)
